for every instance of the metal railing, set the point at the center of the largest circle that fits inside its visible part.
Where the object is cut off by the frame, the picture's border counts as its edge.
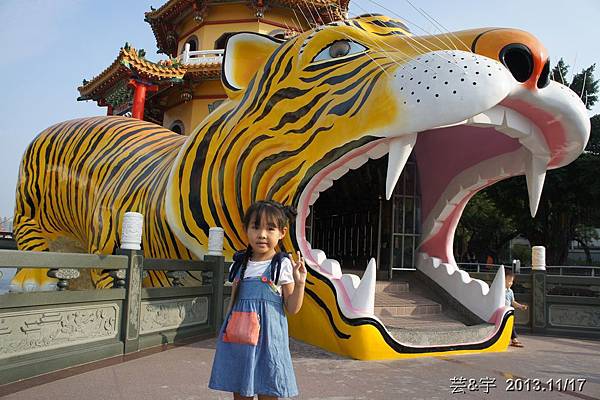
(563, 270)
(479, 267)
(45, 331)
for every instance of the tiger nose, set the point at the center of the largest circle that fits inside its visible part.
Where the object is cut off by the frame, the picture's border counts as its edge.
(520, 52)
(526, 66)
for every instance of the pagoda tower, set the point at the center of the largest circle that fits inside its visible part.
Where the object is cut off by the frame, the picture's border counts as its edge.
(178, 93)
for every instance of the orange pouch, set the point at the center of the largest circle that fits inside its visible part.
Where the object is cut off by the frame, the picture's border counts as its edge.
(242, 327)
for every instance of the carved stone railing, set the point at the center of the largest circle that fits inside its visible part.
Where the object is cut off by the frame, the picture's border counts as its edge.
(42, 332)
(558, 305)
(200, 57)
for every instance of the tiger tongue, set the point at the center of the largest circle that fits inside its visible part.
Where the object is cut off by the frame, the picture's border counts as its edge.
(400, 149)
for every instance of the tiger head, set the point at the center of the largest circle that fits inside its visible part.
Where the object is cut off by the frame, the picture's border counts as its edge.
(474, 107)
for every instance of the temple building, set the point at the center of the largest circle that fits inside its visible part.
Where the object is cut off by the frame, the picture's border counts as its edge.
(180, 92)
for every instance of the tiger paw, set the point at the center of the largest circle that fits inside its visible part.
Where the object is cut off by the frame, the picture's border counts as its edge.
(32, 280)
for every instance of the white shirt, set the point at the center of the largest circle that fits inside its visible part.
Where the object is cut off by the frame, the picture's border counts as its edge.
(257, 268)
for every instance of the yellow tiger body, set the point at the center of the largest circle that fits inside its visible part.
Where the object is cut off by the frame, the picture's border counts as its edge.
(77, 179)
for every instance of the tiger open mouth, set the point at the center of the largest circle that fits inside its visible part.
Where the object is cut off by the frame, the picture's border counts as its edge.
(458, 152)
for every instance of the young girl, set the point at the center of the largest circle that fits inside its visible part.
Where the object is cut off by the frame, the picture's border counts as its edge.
(252, 355)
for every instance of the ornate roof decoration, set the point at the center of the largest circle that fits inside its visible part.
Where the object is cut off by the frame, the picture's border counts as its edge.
(164, 19)
(131, 62)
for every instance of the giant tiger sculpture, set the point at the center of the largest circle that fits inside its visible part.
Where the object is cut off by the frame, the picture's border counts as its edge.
(476, 107)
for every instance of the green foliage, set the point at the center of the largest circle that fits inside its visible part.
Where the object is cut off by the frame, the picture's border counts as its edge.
(585, 86)
(593, 145)
(582, 83)
(559, 72)
(483, 229)
(523, 253)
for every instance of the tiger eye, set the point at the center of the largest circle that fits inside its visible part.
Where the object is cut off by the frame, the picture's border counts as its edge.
(340, 48)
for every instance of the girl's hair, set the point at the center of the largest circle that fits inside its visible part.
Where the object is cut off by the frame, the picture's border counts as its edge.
(274, 212)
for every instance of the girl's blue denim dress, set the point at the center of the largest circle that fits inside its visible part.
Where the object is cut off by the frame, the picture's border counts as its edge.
(267, 367)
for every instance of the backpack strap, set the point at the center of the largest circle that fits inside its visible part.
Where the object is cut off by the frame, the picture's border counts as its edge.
(276, 266)
(238, 262)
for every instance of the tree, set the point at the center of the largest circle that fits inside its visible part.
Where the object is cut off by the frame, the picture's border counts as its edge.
(559, 72)
(593, 145)
(582, 83)
(483, 230)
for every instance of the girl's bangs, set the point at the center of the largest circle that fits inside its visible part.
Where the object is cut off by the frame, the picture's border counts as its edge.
(269, 213)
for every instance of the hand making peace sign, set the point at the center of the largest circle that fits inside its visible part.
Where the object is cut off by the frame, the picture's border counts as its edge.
(299, 269)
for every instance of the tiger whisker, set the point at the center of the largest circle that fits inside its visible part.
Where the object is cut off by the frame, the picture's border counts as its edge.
(423, 46)
(408, 57)
(307, 20)
(444, 44)
(367, 54)
(446, 29)
(443, 33)
(298, 20)
(311, 14)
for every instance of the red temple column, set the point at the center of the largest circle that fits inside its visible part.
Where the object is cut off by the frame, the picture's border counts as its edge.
(139, 97)
(103, 103)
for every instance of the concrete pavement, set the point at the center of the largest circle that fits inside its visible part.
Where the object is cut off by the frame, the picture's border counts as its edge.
(565, 368)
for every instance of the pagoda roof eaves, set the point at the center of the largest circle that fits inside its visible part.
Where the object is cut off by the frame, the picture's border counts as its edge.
(129, 62)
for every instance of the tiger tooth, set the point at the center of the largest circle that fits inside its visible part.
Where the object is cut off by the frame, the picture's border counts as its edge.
(350, 282)
(338, 173)
(324, 185)
(332, 267)
(318, 255)
(379, 151)
(400, 149)
(535, 174)
(364, 295)
(357, 162)
(479, 297)
(497, 292)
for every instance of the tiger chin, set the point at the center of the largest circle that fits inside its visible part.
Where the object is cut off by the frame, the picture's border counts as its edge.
(473, 107)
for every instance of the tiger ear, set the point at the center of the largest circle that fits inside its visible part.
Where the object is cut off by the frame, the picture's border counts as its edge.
(244, 53)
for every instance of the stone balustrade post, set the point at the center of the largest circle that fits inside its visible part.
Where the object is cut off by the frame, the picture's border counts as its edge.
(215, 254)
(131, 239)
(538, 289)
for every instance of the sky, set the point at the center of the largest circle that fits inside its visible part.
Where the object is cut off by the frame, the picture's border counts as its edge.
(48, 47)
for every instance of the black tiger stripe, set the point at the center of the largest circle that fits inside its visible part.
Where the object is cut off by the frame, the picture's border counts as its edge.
(367, 93)
(265, 81)
(327, 311)
(319, 76)
(389, 24)
(274, 159)
(338, 79)
(239, 171)
(283, 180)
(311, 123)
(286, 71)
(293, 116)
(287, 93)
(195, 177)
(344, 107)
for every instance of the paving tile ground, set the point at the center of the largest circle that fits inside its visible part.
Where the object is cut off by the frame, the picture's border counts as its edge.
(181, 373)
